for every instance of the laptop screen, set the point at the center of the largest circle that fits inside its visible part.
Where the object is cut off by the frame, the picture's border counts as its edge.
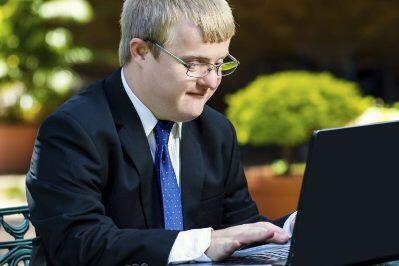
(348, 208)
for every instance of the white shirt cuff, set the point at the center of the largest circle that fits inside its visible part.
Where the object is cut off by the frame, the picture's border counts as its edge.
(191, 246)
(287, 223)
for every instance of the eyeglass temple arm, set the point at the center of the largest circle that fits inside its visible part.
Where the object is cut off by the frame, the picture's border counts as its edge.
(232, 57)
(169, 53)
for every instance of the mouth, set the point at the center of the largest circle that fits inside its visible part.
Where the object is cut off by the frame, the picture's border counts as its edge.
(196, 94)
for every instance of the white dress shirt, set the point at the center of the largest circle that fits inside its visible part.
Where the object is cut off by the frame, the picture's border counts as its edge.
(189, 245)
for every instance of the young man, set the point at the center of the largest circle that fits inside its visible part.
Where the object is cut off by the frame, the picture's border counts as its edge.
(136, 168)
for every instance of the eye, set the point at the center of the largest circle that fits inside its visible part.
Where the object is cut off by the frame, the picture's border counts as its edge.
(194, 62)
(192, 66)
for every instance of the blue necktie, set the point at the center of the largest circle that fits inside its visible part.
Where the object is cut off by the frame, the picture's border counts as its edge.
(171, 200)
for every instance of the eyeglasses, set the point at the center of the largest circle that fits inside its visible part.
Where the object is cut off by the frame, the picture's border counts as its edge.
(199, 70)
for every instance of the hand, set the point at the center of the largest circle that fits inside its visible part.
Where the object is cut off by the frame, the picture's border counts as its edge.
(225, 241)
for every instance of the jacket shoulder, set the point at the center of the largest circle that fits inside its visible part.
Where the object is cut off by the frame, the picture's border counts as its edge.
(89, 108)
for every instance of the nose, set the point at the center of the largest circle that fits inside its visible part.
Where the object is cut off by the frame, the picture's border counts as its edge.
(211, 80)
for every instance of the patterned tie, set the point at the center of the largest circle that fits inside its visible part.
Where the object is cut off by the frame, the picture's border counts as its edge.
(171, 200)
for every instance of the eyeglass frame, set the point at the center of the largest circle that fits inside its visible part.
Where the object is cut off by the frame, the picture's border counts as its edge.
(188, 65)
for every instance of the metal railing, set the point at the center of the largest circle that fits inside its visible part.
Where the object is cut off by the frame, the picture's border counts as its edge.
(19, 249)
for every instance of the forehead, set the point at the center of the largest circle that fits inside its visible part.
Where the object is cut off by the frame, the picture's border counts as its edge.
(185, 39)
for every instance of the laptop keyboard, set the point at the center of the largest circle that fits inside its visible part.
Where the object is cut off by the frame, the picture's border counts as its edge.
(279, 252)
(269, 250)
(270, 253)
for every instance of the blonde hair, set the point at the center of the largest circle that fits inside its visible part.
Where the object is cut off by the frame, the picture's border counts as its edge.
(152, 20)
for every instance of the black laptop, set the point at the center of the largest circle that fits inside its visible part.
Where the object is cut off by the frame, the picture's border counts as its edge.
(348, 211)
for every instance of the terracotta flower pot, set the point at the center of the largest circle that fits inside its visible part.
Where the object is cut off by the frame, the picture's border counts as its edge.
(275, 196)
(16, 146)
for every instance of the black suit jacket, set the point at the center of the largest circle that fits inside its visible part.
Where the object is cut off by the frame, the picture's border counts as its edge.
(93, 193)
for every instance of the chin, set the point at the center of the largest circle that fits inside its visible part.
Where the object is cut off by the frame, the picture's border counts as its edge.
(191, 114)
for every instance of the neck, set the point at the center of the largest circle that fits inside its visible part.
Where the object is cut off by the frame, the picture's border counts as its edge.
(134, 81)
(136, 84)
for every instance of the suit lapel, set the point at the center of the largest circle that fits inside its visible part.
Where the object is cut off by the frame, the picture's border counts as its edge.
(192, 173)
(135, 143)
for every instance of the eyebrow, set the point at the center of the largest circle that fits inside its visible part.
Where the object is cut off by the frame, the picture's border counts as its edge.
(200, 58)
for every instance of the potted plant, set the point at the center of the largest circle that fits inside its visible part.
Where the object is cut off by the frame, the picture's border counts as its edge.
(284, 109)
(36, 70)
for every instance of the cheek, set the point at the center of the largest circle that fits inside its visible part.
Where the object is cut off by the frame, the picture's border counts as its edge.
(177, 80)
(166, 83)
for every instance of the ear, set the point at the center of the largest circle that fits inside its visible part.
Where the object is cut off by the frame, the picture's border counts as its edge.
(138, 50)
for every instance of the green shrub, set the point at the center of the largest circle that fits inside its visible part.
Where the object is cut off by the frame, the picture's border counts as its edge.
(284, 108)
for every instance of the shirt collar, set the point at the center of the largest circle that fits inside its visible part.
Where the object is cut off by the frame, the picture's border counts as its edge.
(147, 118)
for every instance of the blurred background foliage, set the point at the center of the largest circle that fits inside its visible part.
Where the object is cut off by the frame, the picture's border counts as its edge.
(37, 55)
(286, 107)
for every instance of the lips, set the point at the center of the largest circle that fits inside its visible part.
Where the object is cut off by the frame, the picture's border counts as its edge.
(196, 94)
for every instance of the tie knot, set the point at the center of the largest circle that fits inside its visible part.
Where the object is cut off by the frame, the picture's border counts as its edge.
(162, 131)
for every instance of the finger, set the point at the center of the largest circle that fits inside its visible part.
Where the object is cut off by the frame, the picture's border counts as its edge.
(232, 231)
(279, 238)
(280, 234)
(269, 226)
(254, 234)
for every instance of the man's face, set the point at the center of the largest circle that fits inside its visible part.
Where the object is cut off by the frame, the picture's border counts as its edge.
(172, 95)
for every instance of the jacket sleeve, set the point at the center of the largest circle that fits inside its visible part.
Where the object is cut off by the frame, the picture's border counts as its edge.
(239, 208)
(65, 187)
